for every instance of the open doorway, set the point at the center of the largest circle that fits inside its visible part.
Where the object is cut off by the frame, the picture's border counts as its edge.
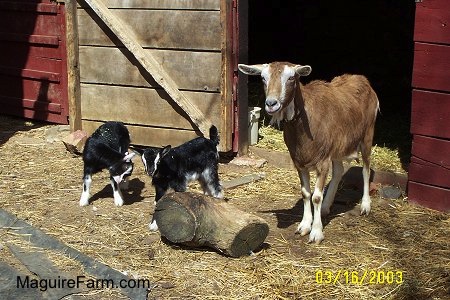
(373, 38)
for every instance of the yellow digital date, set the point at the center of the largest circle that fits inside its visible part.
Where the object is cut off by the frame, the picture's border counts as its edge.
(359, 277)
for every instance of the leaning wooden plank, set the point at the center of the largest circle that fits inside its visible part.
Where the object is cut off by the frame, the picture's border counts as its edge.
(150, 64)
(233, 183)
(197, 220)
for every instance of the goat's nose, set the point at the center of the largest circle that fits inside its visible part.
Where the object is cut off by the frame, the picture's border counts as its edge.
(271, 102)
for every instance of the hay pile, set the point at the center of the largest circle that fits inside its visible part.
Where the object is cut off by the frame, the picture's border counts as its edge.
(383, 158)
(41, 183)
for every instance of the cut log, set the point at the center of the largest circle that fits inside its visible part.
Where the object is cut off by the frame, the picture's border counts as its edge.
(197, 220)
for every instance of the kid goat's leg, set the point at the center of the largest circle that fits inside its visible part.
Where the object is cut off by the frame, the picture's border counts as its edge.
(118, 198)
(84, 199)
(305, 225)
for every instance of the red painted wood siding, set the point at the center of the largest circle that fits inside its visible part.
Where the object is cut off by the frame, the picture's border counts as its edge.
(429, 171)
(431, 24)
(430, 114)
(33, 65)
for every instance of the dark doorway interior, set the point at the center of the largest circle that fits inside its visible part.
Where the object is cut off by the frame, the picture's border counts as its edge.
(372, 37)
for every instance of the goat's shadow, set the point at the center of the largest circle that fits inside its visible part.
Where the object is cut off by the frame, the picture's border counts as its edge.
(131, 195)
(347, 198)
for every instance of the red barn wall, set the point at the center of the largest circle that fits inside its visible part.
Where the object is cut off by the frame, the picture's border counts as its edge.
(429, 171)
(33, 65)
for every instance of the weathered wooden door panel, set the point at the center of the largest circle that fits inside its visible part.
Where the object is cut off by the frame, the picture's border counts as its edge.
(157, 29)
(191, 70)
(150, 107)
(185, 38)
(33, 69)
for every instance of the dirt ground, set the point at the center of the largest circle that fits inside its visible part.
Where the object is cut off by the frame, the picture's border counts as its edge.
(404, 250)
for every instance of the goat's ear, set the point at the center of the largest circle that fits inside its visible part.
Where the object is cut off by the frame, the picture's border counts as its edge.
(251, 69)
(129, 156)
(303, 70)
(165, 150)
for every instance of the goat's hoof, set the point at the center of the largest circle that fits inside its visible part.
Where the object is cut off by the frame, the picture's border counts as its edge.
(303, 229)
(365, 209)
(118, 202)
(84, 201)
(316, 236)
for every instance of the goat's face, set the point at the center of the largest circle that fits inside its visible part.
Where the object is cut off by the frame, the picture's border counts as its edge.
(122, 169)
(280, 81)
(152, 157)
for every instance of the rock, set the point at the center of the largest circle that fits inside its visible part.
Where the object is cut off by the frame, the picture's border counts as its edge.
(56, 133)
(75, 141)
(390, 192)
(248, 161)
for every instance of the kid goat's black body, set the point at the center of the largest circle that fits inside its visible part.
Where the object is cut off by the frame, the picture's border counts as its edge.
(174, 168)
(107, 148)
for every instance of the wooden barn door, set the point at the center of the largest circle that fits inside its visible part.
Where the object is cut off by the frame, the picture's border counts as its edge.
(161, 67)
(33, 71)
(429, 171)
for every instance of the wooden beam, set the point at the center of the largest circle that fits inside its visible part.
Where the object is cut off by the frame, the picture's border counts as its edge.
(150, 64)
(73, 70)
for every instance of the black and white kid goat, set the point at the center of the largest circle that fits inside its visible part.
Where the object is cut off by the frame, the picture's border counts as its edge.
(174, 168)
(107, 148)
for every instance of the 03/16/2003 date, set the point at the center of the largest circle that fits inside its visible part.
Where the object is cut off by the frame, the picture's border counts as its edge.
(359, 277)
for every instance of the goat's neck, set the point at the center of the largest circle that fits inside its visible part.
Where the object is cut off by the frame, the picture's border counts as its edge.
(296, 110)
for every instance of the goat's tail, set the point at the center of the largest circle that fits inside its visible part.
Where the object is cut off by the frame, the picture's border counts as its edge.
(214, 135)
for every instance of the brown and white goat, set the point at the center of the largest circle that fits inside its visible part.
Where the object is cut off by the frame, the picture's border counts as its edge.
(324, 123)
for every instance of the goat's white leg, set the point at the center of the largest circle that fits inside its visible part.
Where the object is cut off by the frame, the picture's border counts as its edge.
(118, 198)
(365, 202)
(305, 225)
(338, 172)
(84, 199)
(365, 153)
(209, 180)
(316, 234)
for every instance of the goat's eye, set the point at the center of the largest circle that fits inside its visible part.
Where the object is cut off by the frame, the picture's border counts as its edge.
(291, 78)
(264, 80)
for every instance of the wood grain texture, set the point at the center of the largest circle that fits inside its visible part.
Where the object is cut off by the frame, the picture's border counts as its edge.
(431, 67)
(149, 63)
(432, 23)
(149, 136)
(144, 106)
(161, 4)
(195, 30)
(433, 150)
(190, 70)
(429, 196)
(198, 220)
(430, 114)
(73, 70)
(428, 173)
